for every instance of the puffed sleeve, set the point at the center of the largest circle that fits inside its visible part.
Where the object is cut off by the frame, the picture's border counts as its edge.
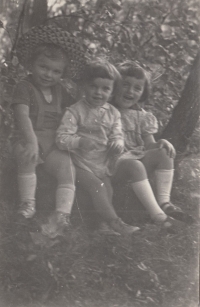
(149, 124)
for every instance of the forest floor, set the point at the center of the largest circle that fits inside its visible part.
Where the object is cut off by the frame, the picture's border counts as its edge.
(153, 268)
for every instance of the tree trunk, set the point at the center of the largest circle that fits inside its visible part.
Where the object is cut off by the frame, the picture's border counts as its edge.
(35, 13)
(39, 14)
(186, 113)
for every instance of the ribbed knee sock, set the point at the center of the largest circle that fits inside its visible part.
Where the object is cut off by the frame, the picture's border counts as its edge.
(145, 194)
(163, 184)
(27, 186)
(65, 197)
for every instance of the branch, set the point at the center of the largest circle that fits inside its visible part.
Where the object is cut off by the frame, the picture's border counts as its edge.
(21, 17)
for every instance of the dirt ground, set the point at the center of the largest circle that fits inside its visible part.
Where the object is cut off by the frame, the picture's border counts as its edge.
(154, 268)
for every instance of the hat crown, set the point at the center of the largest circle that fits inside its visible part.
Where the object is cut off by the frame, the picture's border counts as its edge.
(50, 34)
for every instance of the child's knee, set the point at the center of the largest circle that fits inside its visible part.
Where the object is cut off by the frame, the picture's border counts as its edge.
(65, 171)
(163, 159)
(136, 165)
(23, 164)
(162, 154)
(18, 152)
(59, 163)
(66, 165)
(135, 170)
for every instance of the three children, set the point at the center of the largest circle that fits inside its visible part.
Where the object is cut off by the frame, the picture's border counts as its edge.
(107, 143)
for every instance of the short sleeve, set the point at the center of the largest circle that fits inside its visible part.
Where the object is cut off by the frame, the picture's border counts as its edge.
(21, 94)
(149, 124)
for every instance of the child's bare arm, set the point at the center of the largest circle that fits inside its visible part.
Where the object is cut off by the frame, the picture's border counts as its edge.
(150, 143)
(24, 123)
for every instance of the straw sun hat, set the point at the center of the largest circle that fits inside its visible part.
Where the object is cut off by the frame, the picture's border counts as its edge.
(50, 34)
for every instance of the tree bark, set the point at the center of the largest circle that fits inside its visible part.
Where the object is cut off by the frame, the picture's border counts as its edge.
(34, 13)
(186, 113)
(39, 14)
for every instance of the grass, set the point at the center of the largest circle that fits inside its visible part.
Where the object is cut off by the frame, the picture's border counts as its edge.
(153, 268)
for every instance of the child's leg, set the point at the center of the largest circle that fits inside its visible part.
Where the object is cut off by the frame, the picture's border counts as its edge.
(26, 183)
(101, 194)
(158, 162)
(59, 165)
(133, 171)
(100, 191)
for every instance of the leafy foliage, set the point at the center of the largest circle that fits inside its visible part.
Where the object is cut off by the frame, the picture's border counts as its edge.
(161, 35)
(153, 32)
(154, 269)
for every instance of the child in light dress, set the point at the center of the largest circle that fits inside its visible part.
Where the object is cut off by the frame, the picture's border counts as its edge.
(143, 157)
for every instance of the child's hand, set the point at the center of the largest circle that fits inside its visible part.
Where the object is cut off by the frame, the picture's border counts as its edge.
(31, 152)
(116, 147)
(87, 144)
(168, 146)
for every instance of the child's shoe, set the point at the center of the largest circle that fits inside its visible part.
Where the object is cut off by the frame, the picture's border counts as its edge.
(105, 229)
(58, 223)
(124, 229)
(27, 209)
(177, 213)
(171, 225)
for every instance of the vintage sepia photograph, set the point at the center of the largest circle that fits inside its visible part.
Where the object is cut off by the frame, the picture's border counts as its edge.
(99, 153)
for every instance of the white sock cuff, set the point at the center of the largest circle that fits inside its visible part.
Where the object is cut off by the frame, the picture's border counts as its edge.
(139, 182)
(157, 171)
(66, 186)
(65, 197)
(27, 186)
(26, 175)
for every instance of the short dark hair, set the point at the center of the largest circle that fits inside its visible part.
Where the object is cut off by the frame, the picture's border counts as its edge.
(133, 69)
(102, 68)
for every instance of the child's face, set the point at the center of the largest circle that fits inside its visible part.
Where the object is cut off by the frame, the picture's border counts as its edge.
(98, 91)
(47, 72)
(132, 89)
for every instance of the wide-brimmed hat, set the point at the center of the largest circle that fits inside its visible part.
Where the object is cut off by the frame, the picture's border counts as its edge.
(50, 34)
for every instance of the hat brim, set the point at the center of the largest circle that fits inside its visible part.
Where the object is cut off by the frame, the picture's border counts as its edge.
(48, 34)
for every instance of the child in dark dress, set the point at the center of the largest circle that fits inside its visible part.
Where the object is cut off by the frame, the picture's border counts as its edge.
(48, 53)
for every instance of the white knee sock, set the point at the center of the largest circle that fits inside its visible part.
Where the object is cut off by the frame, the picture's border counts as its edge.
(145, 194)
(65, 197)
(27, 186)
(163, 185)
